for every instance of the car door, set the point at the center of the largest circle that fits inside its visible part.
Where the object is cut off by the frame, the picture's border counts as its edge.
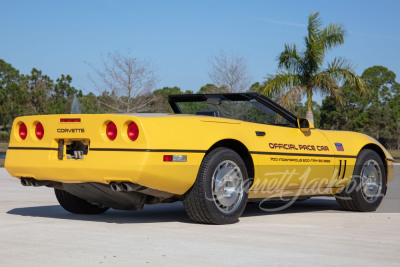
(292, 159)
(298, 160)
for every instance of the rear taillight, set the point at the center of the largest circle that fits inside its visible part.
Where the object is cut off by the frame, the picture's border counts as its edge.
(111, 131)
(133, 131)
(23, 131)
(175, 158)
(70, 120)
(167, 158)
(39, 131)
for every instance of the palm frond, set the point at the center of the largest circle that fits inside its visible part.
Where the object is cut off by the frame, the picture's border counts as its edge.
(315, 50)
(342, 71)
(291, 97)
(313, 57)
(333, 35)
(290, 59)
(281, 82)
(314, 26)
(327, 86)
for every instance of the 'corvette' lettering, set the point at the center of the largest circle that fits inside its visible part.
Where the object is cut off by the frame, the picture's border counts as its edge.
(298, 147)
(70, 130)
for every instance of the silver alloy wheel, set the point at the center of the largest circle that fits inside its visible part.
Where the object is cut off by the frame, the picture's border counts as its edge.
(227, 186)
(371, 180)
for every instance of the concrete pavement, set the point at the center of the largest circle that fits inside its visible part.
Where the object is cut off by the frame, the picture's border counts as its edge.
(36, 231)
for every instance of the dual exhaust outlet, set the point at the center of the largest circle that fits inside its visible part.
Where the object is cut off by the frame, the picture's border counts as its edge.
(124, 187)
(117, 187)
(36, 183)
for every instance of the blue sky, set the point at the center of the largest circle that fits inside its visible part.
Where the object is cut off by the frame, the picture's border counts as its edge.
(179, 37)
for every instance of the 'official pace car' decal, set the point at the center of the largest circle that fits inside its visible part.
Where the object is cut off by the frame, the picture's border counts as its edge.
(298, 147)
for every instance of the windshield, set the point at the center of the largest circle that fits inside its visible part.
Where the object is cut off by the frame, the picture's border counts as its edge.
(245, 110)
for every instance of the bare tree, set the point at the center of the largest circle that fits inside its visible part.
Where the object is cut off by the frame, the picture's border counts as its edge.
(230, 72)
(230, 75)
(126, 80)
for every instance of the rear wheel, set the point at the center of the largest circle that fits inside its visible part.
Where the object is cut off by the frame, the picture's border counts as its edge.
(219, 194)
(368, 185)
(77, 205)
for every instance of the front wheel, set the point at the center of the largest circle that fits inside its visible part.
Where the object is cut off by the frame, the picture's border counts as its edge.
(368, 185)
(219, 193)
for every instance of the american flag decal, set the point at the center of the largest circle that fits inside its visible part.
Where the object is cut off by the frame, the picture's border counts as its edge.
(339, 147)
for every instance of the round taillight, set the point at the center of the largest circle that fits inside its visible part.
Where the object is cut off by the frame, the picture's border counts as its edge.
(111, 131)
(133, 131)
(23, 131)
(39, 131)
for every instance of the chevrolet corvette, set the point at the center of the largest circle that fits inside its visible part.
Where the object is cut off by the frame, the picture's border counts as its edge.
(215, 153)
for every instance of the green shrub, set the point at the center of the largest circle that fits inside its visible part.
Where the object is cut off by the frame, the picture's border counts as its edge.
(4, 137)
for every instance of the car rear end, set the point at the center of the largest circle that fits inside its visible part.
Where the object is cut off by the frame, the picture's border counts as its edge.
(66, 147)
(101, 148)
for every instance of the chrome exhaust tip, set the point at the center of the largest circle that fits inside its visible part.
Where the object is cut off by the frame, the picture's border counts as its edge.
(116, 187)
(129, 187)
(26, 181)
(37, 183)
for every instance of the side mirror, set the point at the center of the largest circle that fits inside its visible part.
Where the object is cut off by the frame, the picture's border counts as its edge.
(303, 124)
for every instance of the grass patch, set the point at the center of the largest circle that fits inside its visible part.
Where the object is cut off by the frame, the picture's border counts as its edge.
(395, 154)
(3, 147)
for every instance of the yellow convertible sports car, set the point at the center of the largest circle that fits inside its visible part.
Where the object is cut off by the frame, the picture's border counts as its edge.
(216, 153)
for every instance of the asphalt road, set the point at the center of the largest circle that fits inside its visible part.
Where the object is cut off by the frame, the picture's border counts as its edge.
(36, 231)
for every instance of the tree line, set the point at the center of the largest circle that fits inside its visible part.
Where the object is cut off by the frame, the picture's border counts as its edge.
(375, 113)
(369, 103)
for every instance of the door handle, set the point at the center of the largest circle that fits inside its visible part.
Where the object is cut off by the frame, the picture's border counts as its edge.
(260, 133)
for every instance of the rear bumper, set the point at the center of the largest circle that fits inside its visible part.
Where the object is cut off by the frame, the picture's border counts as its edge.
(143, 167)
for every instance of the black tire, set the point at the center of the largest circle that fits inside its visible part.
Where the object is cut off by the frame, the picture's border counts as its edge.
(201, 203)
(300, 199)
(353, 197)
(77, 205)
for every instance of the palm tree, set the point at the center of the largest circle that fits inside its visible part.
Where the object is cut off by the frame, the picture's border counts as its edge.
(301, 72)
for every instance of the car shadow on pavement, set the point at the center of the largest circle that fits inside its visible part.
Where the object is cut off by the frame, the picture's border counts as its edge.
(169, 212)
(173, 212)
(279, 207)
